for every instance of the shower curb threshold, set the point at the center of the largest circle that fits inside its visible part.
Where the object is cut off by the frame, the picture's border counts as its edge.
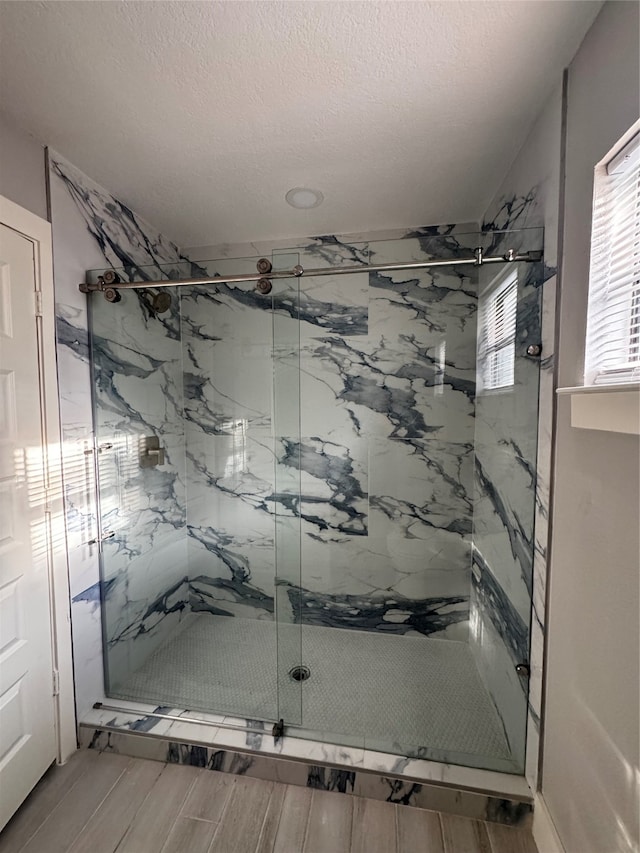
(470, 792)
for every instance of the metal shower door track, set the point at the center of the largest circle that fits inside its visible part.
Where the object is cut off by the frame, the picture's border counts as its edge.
(111, 281)
(277, 731)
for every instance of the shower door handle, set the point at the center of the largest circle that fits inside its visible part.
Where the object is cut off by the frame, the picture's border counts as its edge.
(108, 535)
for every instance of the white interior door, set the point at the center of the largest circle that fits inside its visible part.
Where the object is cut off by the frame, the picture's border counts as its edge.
(28, 743)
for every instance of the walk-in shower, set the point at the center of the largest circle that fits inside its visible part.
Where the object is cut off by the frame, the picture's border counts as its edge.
(317, 502)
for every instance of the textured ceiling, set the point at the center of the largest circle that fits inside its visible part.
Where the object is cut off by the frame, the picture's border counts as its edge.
(201, 116)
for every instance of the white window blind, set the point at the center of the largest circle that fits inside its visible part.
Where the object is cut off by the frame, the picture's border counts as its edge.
(612, 352)
(497, 333)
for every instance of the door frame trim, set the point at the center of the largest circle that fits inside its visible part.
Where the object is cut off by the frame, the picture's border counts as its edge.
(38, 232)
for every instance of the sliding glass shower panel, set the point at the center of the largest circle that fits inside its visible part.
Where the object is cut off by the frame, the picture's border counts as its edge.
(388, 374)
(387, 399)
(188, 458)
(136, 360)
(289, 504)
(227, 345)
(506, 439)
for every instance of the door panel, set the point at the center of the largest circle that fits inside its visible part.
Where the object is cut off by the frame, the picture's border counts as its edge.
(27, 721)
(287, 443)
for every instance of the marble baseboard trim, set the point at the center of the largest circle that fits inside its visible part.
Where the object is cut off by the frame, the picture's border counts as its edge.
(346, 780)
(213, 730)
(238, 734)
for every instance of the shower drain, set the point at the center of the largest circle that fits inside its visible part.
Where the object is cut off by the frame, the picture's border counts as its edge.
(300, 673)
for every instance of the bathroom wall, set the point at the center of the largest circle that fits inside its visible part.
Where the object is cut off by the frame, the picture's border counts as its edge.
(139, 393)
(510, 528)
(375, 530)
(591, 766)
(22, 177)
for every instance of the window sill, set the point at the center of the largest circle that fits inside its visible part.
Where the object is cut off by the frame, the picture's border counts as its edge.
(612, 408)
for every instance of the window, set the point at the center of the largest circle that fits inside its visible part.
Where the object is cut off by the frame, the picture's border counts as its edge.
(613, 324)
(497, 333)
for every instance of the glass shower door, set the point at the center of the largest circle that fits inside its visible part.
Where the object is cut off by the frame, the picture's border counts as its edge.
(241, 411)
(287, 443)
(505, 474)
(197, 448)
(227, 343)
(136, 362)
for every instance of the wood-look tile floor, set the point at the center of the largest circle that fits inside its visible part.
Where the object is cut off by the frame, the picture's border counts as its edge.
(102, 803)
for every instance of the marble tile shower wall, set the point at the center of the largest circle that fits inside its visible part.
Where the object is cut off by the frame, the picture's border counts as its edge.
(389, 367)
(139, 392)
(365, 468)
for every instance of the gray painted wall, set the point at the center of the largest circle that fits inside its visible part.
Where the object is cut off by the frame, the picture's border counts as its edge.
(591, 751)
(22, 176)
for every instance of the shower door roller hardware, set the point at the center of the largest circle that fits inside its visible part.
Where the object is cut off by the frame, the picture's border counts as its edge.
(108, 535)
(112, 295)
(264, 266)
(264, 286)
(534, 349)
(110, 277)
(523, 669)
(151, 453)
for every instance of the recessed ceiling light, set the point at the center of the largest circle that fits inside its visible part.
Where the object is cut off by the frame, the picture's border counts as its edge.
(303, 198)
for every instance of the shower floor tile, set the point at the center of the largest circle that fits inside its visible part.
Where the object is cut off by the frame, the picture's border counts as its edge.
(390, 693)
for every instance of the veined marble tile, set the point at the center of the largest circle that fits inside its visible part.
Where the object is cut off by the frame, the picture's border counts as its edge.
(410, 567)
(424, 484)
(231, 583)
(384, 391)
(353, 385)
(322, 245)
(454, 775)
(227, 385)
(435, 310)
(390, 612)
(236, 471)
(139, 386)
(327, 251)
(124, 239)
(331, 480)
(336, 304)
